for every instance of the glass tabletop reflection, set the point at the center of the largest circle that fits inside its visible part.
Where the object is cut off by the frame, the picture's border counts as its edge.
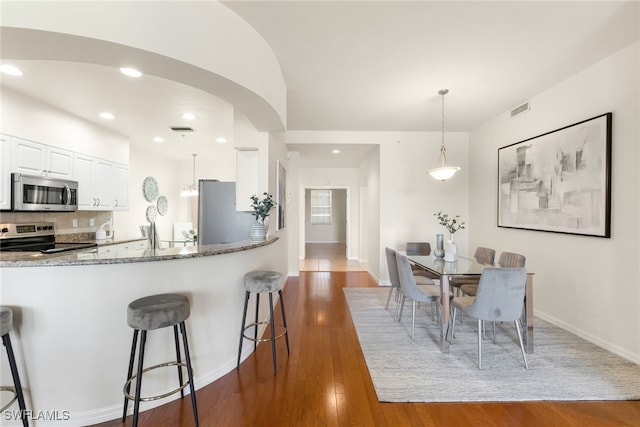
(461, 266)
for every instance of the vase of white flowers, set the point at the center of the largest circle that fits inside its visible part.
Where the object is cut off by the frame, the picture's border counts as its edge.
(452, 224)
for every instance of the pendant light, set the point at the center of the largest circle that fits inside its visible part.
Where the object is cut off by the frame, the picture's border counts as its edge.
(191, 190)
(443, 172)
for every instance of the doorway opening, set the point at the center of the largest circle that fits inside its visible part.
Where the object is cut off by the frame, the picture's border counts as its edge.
(326, 232)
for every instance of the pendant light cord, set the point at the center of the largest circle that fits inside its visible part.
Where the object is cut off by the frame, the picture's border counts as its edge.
(443, 156)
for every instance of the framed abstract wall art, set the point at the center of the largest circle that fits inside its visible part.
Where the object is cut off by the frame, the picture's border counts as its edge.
(559, 181)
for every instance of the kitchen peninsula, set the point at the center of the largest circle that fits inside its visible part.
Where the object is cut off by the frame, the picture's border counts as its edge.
(72, 338)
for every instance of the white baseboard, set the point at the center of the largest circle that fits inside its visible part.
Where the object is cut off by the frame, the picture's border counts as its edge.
(615, 349)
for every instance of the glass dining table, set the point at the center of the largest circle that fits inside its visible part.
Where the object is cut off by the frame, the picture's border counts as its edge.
(469, 267)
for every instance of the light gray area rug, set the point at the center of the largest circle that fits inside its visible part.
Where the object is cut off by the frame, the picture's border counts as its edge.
(562, 367)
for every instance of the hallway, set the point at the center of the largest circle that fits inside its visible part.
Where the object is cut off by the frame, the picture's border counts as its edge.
(328, 257)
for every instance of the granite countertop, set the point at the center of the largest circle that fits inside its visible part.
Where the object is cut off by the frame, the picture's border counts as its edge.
(108, 242)
(91, 256)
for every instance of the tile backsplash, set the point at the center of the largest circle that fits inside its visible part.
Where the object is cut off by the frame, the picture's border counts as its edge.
(63, 221)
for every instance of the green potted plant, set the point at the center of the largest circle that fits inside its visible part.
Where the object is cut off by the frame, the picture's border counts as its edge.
(261, 209)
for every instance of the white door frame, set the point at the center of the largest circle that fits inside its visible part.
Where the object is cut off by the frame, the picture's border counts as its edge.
(303, 215)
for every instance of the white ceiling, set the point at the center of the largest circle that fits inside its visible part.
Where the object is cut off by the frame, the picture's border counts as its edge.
(144, 108)
(355, 65)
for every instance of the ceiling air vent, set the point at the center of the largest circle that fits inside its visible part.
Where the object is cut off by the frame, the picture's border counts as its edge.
(181, 129)
(520, 109)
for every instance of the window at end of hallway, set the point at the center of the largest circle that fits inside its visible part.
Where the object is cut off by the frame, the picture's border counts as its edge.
(320, 207)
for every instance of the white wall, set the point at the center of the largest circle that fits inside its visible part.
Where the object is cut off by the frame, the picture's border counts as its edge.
(27, 118)
(293, 218)
(146, 163)
(369, 225)
(277, 152)
(588, 285)
(328, 233)
(409, 196)
(398, 195)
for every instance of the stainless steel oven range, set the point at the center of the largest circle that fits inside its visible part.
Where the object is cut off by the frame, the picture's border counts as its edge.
(35, 237)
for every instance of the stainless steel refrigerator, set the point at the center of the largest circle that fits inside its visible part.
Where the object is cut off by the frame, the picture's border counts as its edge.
(218, 220)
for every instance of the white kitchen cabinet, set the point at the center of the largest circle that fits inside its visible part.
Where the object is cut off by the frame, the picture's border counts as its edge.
(110, 250)
(84, 168)
(122, 250)
(121, 202)
(102, 185)
(5, 176)
(33, 158)
(105, 184)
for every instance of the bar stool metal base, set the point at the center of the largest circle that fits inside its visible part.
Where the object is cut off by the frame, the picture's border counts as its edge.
(17, 385)
(272, 337)
(254, 324)
(127, 385)
(138, 376)
(15, 396)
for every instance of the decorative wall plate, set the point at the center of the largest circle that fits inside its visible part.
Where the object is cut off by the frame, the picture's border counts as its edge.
(152, 213)
(163, 205)
(150, 188)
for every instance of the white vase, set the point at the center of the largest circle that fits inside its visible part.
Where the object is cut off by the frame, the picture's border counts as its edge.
(258, 232)
(450, 249)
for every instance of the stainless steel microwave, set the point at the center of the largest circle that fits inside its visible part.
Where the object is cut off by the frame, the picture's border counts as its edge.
(39, 193)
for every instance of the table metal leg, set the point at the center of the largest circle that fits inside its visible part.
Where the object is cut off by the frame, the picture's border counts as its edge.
(527, 316)
(444, 318)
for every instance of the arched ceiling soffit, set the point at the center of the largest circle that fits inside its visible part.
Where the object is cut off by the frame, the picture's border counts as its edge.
(23, 44)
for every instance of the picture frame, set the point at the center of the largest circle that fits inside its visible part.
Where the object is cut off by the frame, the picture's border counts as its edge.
(281, 195)
(559, 181)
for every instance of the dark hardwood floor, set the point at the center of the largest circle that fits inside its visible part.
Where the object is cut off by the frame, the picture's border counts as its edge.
(325, 381)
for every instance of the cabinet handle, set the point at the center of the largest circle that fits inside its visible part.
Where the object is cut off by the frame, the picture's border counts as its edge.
(116, 203)
(98, 202)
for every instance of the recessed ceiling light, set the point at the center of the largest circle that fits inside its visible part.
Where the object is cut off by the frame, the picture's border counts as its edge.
(10, 69)
(221, 140)
(107, 116)
(158, 139)
(335, 151)
(188, 116)
(131, 72)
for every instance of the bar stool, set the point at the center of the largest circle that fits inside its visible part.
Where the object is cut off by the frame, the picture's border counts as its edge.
(156, 312)
(258, 282)
(6, 326)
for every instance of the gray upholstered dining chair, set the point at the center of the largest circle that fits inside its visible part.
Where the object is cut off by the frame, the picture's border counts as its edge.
(409, 288)
(499, 298)
(420, 249)
(483, 256)
(392, 266)
(507, 259)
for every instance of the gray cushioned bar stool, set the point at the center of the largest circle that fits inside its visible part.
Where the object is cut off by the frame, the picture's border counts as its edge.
(6, 325)
(156, 312)
(258, 282)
